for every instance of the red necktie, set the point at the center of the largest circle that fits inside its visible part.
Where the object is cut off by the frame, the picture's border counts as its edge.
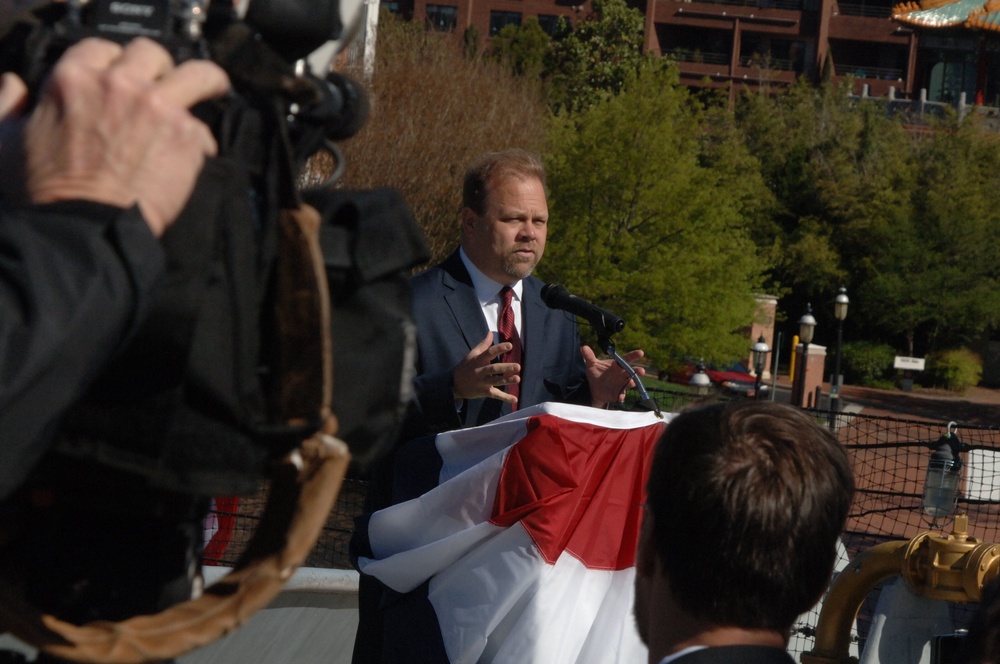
(508, 332)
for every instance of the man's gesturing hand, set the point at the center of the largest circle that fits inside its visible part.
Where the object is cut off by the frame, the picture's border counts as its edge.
(478, 376)
(112, 125)
(607, 380)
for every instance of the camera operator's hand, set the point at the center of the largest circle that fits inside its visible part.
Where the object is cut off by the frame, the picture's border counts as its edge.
(13, 94)
(112, 125)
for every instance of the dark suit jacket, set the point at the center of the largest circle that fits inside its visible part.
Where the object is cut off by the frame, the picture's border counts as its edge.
(450, 323)
(737, 655)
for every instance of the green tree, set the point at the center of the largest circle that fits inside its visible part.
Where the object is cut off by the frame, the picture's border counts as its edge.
(523, 48)
(903, 218)
(724, 151)
(646, 220)
(839, 170)
(955, 280)
(592, 62)
(783, 131)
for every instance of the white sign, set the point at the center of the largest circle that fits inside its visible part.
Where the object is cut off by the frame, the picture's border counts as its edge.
(909, 363)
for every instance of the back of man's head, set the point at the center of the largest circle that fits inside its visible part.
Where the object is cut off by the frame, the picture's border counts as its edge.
(748, 500)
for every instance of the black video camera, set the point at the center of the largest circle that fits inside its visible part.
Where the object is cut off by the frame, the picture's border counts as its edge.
(262, 44)
(188, 403)
(205, 398)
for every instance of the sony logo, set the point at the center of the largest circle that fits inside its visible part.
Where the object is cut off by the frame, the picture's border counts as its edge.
(132, 9)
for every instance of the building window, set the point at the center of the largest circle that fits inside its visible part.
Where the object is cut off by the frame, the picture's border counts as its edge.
(391, 7)
(554, 26)
(951, 75)
(499, 20)
(442, 18)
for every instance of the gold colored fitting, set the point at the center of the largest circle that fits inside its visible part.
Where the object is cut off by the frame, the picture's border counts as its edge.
(952, 567)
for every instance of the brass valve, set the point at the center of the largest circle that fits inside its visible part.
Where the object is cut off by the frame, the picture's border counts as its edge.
(952, 567)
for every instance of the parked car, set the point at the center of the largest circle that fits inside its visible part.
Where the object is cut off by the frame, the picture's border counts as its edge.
(734, 378)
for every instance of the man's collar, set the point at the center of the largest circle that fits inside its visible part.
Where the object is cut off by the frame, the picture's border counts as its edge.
(681, 653)
(486, 288)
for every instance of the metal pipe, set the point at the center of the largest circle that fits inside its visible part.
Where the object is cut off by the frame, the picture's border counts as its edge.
(848, 592)
(952, 567)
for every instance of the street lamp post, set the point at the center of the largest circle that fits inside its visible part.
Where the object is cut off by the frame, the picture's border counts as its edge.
(760, 351)
(840, 313)
(807, 325)
(700, 380)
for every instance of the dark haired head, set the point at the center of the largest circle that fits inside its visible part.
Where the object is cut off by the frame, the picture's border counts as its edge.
(748, 500)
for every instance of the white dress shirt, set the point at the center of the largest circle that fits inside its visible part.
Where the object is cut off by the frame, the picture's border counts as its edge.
(488, 292)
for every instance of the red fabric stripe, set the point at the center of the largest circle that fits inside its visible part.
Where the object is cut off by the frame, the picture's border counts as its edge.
(215, 548)
(579, 488)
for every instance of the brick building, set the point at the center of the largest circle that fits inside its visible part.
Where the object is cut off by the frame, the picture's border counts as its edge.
(885, 48)
(487, 16)
(754, 43)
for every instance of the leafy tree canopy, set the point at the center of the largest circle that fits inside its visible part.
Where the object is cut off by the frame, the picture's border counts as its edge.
(673, 212)
(593, 62)
(952, 278)
(648, 222)
(902, 218)
(523, 48)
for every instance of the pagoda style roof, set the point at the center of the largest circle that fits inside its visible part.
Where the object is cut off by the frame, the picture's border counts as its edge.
(971, 14)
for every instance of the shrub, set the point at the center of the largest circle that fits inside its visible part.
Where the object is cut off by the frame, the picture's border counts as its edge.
(956, 370)
(867, 363)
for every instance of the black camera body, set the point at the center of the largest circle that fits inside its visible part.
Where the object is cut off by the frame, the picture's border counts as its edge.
(262, 45)
(187, 28)
(177, 25)
(188, 403)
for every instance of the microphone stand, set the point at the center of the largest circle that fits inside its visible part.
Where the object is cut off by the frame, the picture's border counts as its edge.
(645, 402)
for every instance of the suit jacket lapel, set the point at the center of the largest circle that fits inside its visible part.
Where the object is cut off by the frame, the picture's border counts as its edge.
(533, 316)
(462, 303)
(460, 297)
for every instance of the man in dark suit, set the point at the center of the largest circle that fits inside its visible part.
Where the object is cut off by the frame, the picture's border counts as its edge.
(473, 367)
(745, 504)
(468, 372)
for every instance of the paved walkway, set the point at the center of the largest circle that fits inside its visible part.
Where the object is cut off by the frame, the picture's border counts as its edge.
(979, 405)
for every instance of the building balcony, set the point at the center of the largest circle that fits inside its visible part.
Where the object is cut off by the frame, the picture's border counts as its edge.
(868, 22)
(864, 10)
(877, 81)
(782, 15)
(759, 62)
(696, 56)
(790, 5)
(866, 74)
(751, 69)
(756, 74)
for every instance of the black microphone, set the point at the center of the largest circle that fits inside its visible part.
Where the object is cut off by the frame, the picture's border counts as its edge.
(604, 321)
